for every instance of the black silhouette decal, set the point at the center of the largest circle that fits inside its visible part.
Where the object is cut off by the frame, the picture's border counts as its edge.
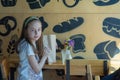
(78, 57)
(79, 40)
(8, 3)
(5, 21)
(11, 45)
(106, 50)
(104, 2)
(60, 45)
(44, 23)
(111, 26)
(68, 25)
(70, 6)
(34, 4)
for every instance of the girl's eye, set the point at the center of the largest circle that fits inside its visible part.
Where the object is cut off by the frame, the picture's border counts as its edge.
(32, 30)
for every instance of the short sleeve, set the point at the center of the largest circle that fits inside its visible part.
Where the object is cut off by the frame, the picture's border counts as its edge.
(30, 50)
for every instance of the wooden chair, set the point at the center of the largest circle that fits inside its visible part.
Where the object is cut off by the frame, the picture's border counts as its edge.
(5, 69)
(98, 67)
(74, 68)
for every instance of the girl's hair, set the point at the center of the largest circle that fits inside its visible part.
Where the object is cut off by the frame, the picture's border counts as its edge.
(39, 42)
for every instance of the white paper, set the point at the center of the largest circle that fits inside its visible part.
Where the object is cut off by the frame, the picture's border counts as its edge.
(50, 41)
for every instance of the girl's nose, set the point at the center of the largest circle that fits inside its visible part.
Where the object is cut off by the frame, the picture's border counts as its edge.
(36, 32)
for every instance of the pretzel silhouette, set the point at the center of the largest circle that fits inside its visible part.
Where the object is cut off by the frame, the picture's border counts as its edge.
(4, 21)
(76, 2)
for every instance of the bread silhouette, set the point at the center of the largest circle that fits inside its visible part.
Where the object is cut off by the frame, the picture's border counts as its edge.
(68, 25)
(106, 50)
(104, 2)
(111, 26)
(34, 4)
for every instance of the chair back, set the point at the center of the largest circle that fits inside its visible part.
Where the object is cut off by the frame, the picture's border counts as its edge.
(75, 68)
(5, 68)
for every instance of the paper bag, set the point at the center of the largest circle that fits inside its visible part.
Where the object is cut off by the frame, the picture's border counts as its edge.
(50, 41)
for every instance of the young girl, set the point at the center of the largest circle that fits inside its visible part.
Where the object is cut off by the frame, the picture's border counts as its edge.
(30, 49)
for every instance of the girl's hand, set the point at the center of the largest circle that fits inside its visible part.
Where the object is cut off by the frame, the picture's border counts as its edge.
(47, 51)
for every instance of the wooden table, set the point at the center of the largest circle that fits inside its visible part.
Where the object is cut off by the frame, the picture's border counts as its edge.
(14, 62)
(57, 65)
(98, 67)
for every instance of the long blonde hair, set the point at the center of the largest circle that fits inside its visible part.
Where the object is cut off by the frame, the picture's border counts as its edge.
(39, 42)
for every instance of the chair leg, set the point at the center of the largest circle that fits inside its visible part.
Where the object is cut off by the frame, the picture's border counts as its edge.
(67, 70)
(89, 72)
(97, 77)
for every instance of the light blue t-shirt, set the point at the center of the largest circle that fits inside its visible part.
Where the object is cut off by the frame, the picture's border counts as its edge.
(25, 72)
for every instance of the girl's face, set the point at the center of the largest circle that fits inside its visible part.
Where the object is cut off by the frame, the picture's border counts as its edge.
(34, 30)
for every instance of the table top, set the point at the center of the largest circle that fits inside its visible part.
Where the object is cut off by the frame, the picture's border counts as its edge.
(14, 62)
(56, 65)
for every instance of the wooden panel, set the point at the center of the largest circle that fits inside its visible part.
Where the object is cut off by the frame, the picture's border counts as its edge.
(5, 68)
(83, 6)
(55, 12)
(97, 66)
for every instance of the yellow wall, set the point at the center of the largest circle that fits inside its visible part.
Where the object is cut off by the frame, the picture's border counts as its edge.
(55, 12)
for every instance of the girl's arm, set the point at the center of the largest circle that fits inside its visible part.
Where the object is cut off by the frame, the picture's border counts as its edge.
(37, 67)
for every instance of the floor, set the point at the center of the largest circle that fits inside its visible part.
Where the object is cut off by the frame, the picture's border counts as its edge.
(51, 75)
